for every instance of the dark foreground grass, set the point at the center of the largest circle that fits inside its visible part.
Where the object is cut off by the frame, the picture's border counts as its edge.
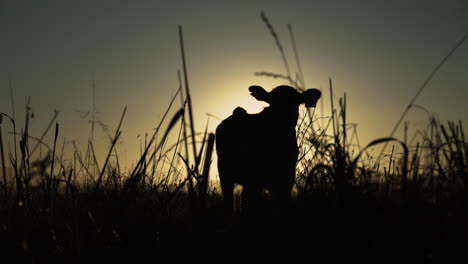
(409, 206)
(105, 226)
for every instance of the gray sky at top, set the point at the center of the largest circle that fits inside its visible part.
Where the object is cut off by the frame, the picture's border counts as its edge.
(378, 52)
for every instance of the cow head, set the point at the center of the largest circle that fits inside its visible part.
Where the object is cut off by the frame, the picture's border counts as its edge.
(284, 96)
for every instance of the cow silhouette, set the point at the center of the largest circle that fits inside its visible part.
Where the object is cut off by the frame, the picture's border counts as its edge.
(259, 151)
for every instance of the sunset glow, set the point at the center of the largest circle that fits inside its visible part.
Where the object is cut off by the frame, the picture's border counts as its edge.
(135, 63)
(119, 140)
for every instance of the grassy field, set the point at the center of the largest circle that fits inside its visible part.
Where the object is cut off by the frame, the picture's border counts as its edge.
(408, 203)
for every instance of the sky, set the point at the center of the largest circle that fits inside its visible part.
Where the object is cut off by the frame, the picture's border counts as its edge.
(377, 52)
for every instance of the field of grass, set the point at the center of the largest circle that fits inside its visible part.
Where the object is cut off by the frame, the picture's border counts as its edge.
(408, 203)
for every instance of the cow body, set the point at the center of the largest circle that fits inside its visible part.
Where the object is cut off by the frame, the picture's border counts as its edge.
(259, 151)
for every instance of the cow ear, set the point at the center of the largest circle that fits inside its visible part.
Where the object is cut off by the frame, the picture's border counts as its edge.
(259, 93)
(310, 97)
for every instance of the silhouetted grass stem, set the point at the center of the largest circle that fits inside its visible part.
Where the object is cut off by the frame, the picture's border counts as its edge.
(187, 91)
(2, 156)
(423, 86)
(118, 132)
(278, 43)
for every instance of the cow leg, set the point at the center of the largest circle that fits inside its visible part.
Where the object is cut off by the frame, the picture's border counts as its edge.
(283, 213)
(251, 199)
(227, 188)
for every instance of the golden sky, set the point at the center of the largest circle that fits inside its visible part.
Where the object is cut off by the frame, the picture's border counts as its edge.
(378, 52)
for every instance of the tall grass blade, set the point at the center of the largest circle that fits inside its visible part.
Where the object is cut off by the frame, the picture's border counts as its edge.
(56, 113)
(205, 134)
(278, 43)
(118, 132)
(332, 109)
(136, 175)
(2, 157)
(51, 174)
(13, 120)
(296, 55)
(184, 123)
(206, 169)
(145, 152)
(423, 86)
(187, 91)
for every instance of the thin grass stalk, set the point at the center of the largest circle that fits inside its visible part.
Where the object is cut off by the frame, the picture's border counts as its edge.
(343, 115)
(299, 126)
(93, 106)
(56, 113)
(278, 44)
(74, 165)
(296, 55)
(118, 132)
(87, 173)
(145, 152)
(339, 156)
(51, 174)
(415, 163)
(90, 149)
(136, 175)
(24, 175)
(458, 155)
(448, 141)
(458, 152)
(188, 97)
(117, 161)
(157, 160)
(464, 144)
(206, 170)
(92, 155)
(322, 108)
(154, 167)
(332, 108)
(2, 156)
(13, 120)
(182, 125)
(391, 161)
(68, 183)
(424, 85)
(62, 171)
(443, 150)
(404, 171)
(184, 102)
(304, 133)
(318, 138)
(302, 85)
(162, 143)
(205, 134)
(431, 157)
(144, 167)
